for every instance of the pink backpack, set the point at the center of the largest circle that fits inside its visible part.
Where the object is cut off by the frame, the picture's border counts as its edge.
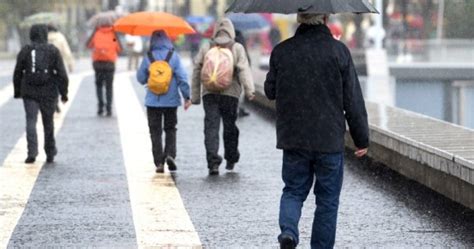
(218, 69)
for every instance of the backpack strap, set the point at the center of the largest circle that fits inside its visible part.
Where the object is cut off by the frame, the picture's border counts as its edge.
(151, 57)
(169, 55)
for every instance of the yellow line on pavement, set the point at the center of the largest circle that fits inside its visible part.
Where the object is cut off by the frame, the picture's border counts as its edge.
(17, 179)
(159, 215)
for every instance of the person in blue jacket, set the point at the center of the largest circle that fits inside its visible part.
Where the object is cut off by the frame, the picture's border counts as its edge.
(162, 109)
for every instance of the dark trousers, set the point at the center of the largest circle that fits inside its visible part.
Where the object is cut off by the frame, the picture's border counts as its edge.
(216, 107)
(104, 78)
(156, 117)
(300, 167)
(47, 108)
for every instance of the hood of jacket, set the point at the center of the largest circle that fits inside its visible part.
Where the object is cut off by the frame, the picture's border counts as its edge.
(159, 40)
(39, 33)
(224, 32)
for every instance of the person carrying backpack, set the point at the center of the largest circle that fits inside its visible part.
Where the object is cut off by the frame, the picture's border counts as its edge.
(222, 68)
(39, 75)
(164, 76)
(106, 47)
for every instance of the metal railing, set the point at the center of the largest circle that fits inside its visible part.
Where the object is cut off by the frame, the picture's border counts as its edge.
(445, 51)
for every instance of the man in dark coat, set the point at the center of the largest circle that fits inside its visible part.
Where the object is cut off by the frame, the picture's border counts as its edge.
(39, 74)
(313, 80)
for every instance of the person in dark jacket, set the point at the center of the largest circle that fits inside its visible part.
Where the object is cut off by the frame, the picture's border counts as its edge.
(106, 48)
(39, 74)
(313, 101)
(239, 38)
(275, 35)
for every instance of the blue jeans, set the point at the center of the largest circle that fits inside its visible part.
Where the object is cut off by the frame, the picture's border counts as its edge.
(299, 169)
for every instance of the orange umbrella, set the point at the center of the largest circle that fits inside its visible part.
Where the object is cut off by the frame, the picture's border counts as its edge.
(145, 23)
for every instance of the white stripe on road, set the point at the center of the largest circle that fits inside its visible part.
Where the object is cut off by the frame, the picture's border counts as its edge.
(6, 93)
(7, 73)
(17, 179)
(159, 215)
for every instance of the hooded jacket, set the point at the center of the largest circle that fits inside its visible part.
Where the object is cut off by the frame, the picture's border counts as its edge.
(315, 85)
(59, 41)
(224, 34)
(59, 80)
(160, 45)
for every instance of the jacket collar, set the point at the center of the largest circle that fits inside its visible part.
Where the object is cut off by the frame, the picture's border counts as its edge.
(315, 29)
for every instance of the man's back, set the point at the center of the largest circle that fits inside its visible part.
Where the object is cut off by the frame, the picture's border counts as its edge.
(39, 71)
(314, 82)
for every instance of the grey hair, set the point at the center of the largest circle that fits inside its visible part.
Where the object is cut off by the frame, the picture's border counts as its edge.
(311, 18)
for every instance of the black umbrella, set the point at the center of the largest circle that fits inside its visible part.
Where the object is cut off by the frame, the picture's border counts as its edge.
(302, 6)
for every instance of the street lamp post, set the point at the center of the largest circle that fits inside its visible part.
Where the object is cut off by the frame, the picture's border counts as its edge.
(378, 43)
(439, 28)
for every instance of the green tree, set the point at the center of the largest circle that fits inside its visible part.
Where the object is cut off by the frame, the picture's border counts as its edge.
(459, 19)
(12, 12)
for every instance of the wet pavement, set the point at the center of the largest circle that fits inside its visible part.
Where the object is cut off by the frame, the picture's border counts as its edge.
(64, 209)
(83, 200)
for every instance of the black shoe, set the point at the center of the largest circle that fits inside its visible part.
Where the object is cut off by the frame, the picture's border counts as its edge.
(214, 170)
(171, 163)
(30, 160)
(50, 159)
(243, 112)
(160, 168)
(229, 166)
(109, 114)
(287, 242)
(100, 112)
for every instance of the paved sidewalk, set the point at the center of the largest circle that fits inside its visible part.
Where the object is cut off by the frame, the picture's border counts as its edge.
(103, 192)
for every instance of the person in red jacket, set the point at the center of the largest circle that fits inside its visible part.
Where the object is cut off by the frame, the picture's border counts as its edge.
(105, 49)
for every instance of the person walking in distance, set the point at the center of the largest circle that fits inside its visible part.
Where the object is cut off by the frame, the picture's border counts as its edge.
(239, 38)
(222, 68)
(313, 101)
(165, 77)
(39, 75)
(59, 41)
(135, 50)
(106, 47)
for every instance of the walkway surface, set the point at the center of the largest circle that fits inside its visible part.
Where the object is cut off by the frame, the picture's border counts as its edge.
(103, 192)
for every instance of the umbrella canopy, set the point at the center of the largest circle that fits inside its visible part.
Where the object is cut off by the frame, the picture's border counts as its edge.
(302, 6)
(246, 22)
(199, 19)
(106, 18)
(42, 18)
(145, 23)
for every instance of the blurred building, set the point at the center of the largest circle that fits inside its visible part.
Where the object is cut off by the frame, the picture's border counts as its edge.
(189, 7)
